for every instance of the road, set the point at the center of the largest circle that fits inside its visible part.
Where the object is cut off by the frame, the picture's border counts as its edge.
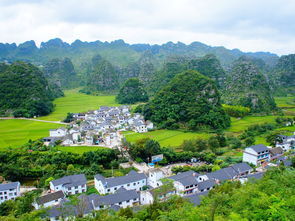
(33, 119)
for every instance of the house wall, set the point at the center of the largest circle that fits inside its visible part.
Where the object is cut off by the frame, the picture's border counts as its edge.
(70, 190)
(9, 194)
(146, 198)
(123, 204)
(136, 185)
(249, 158)
(57, 133)
(154, 179)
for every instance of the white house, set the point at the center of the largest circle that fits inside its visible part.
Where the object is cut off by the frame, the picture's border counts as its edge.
(70, 185)
(148, 196)
(51, 199)
(9, 191)
(132, 181)
(286, 142)
(122, 198)
(60, 132)
(154, 177)
(140, 127)
(256, 154)
(186, 182)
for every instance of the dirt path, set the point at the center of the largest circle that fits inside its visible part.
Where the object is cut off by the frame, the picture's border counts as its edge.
(33, 119)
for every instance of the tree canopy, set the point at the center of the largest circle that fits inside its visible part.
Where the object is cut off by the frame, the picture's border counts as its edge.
(190, 100)
(132, 92)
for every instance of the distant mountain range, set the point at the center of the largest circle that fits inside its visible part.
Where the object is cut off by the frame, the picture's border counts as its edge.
(119, 53)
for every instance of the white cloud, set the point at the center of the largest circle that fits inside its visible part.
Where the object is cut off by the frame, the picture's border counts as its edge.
(265, 25)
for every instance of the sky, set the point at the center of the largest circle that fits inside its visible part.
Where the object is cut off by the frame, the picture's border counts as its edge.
(249, 25)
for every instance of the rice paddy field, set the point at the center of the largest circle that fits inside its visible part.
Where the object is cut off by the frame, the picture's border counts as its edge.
(14, 133)
(79, 149)
(75, 102)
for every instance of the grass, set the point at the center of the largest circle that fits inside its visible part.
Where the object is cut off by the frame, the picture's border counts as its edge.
(76, 102)
(238, 125)
(79, 149)
(15, 132)
(285, 102)
(166, 138)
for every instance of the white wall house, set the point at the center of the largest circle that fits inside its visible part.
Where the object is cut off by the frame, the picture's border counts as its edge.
(70, 185)
(122, 198)
(256, 154)
(141, 128)
(148, 197)
(132, 181)
(185, 183)
(51, 199)
(154, 177)
(9, 191)
(286, 143)
(60, 132)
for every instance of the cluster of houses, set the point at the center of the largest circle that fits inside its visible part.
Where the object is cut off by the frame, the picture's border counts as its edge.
(259, 154)
(99, 127)
(134, 189)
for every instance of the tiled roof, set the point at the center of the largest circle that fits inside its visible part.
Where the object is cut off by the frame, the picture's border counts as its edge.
(69, 181)
(8, 186)
(50, 197)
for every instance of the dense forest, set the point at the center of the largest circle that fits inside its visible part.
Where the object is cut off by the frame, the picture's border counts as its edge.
(189, 100)
(132, 92)
(24, 91)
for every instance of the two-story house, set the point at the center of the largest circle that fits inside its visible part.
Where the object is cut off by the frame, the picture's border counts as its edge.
(70, 185)
(132, 181)
(9, 191)
(48, 200)
(256, 154)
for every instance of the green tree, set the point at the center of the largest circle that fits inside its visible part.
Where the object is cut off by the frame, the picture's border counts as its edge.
(132, 92)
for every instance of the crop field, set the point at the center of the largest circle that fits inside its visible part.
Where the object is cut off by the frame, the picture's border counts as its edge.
(285, 102)
(16, 132)
(166, 138)
(76, 102)
(79, 149)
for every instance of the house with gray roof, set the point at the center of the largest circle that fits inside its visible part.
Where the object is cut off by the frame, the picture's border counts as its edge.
(132, 181)
(196, 198)
(122, 198)
(286, 142)
(186, 182)
(9, 191)
(206, 185)
(48, 200)
(256, 154)
(70, 185)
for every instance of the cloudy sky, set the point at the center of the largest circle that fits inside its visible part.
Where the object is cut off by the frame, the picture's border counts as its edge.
(250, 25)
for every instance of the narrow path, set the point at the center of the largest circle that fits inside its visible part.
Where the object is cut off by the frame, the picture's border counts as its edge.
(33, 119)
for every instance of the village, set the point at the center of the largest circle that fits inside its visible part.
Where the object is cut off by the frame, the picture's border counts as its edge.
(101, 127)
(150, 182)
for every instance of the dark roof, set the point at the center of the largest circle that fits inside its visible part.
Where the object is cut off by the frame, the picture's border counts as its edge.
(258, 147)
(241, 167)
(223, 174)
(69, 181)
(120, 196)
(8, 186)
(186, 178)
(50, 197)
(255, 176)
(275, 151)
(206, 184)
(132, 176)
(196, 198)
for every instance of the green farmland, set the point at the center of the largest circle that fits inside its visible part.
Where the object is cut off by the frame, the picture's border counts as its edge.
(17, 132)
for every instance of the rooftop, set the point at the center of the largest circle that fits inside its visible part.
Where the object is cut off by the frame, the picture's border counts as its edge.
(50, 197)
(69, 181)
(8, 186)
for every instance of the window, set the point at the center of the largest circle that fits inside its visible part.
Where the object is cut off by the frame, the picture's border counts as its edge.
(134, 184)
(128, 184)
(109, 190)
(115, 188)
(76, 187)
(76, 192)
(143, 181)
(134, 199)
(128, 201)
(138, 182)
(15, 193)
(69, 188)
(120, 203)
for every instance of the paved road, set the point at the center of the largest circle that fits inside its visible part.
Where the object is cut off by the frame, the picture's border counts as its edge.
(33, 119)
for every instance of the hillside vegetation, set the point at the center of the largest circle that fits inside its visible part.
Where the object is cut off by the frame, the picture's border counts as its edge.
(24, 91)
(189, 100)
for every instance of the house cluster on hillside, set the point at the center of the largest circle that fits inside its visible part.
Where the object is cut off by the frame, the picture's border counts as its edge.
(99, 127)
(259, 154)
(135, 189)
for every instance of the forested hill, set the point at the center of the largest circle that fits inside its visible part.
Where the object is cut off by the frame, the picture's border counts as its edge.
(118, 52)
(24, 91)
